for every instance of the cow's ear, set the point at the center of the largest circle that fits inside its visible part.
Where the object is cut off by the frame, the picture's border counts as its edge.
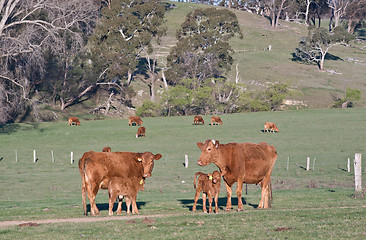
(157, 156)
(199, 145)
(217, 144)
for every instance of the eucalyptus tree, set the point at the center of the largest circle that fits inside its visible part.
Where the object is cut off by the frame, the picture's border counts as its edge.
(28, 30)
(203, 51)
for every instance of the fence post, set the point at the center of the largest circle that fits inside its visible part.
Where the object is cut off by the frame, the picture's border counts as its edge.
(53, 160)
(16, 155)
(34, 156)
(288, 160)
(72, 158)
(358, 172)
(349, 165)
(186, 161)
(307, 163)
(314, 163)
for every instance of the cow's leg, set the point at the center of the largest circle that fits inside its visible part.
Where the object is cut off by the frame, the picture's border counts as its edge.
(119, 208)
(112, 199)
(228, 202)
(134, 206)
(265, 188)
(204, 202)
(196, 196)
(239, 190)
(209, 202)
(128, 203)
(217, 202)
(92, 190)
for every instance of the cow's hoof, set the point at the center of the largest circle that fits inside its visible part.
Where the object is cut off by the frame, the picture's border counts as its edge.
(239, 210)
(119, 213)
(227, 210)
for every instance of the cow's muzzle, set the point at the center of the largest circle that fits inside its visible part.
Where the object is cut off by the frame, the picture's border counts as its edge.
(200, 163)
(147, 175)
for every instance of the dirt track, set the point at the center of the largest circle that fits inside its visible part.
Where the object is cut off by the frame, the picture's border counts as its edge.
(78, 220)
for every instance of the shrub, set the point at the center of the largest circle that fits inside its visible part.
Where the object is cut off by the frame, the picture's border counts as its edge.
(149, 109)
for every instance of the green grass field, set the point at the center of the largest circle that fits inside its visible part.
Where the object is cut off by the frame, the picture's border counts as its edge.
(307, 204)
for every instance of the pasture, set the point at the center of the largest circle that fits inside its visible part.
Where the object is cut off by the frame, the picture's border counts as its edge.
(310, 204)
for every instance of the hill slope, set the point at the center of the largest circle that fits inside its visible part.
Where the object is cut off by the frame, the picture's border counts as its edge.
(259, 67)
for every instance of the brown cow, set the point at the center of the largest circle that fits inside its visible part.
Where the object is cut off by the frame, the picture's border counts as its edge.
(96, 169)
(208, 184)
(106, 149)
(124, 187)
(269, 126)
(198, 119)
(134, 119)
(215, 120)
(73, 120)
(141, 132)
(242, 163)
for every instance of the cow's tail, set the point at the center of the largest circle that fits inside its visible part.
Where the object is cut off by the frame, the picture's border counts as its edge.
(83, 183)
(195, 178)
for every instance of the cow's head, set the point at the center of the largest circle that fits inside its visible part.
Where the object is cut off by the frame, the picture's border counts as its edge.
(209, 152)
(147, 160)
(216, 177)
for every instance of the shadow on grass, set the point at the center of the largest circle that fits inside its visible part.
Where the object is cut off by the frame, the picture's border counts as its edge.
(105, 206)
(188, 203)
(13, 127)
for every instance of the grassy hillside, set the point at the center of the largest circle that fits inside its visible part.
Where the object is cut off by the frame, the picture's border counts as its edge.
(259, 67)
(307, 204)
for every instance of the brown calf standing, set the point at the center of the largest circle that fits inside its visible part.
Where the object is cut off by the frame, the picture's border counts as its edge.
(106, 149)
(208, 184)
(198, 119)
(215, 120)
(269, 126)
(141, 132)
(73, 120)
(124, 187)
(134, 119)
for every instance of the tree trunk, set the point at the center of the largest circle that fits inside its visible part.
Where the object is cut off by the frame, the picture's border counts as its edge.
(108, 105)
(74, 99)
(164, 79)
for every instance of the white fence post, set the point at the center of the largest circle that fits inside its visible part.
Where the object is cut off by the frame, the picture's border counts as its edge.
(72, 158)
(53, 160)
(307, 163)
(349, 165)
(358, 172)
(34, 156)
(314, 163)
(186, 161)
(16, 155)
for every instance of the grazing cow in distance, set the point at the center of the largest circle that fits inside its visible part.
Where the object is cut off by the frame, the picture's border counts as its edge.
(97, 168)
(141, 132)
(73, 121)
(216, 121)
(198, 119)
(134, 119)
(271, 127)
(124, 187)
(209, 185)
(249, 163)
(106, 149)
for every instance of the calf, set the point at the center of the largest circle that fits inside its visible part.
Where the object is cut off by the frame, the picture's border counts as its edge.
(124, 187)
(215, 120)
(106, 149)
(271, 127)
(134, 119)
(208, 184)
(73, 120)
(198, 119)
(141, 132)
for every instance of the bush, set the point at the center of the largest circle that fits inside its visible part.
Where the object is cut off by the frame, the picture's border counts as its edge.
(149, 109)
